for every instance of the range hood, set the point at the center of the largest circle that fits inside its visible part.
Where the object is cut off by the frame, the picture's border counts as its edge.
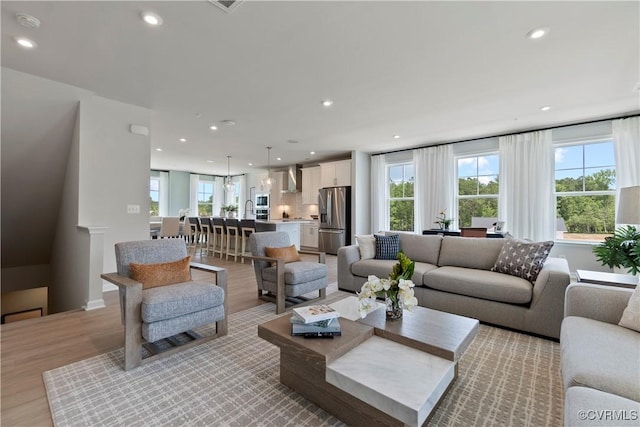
(291, 181)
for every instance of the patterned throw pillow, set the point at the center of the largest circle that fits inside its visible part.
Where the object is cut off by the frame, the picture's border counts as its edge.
(522, 259)
(366, 245)
(167, 273)
(387, 247)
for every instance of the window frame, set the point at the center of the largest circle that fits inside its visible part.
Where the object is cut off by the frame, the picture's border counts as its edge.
(388, 197)
(459, 196)
(159, 191)
(210, 182)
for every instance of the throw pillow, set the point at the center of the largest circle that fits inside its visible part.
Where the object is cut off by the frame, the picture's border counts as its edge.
(367, 246)
(387, 247)
(287, 253)
(166, 273)
(631, 315)
(522, 259)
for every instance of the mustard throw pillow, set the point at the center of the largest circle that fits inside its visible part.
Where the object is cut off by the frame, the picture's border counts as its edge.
(287, 253)
(167, 273)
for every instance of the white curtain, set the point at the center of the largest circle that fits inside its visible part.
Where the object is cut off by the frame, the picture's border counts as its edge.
(379, 188)
(193, 194)
(626, 146)
(434, 184)
(164, 194)
(525, 201)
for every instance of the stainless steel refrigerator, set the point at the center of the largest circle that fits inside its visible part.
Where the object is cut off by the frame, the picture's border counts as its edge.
(334, 205)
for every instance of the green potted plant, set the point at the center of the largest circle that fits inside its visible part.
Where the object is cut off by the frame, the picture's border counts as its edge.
(621, 250)
(231, 210)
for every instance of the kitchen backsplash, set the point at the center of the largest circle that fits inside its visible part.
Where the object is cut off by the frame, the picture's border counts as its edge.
(292, 204)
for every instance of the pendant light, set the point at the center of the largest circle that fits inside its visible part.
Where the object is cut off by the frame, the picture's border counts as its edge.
(229, 186)
(268, 182)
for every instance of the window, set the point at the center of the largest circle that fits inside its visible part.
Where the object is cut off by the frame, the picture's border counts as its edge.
(401, 179)
(205, 198)
(154, 194)
(478, 187)
(585, 181)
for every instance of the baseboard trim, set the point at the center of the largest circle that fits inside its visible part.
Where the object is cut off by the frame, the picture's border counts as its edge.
(94, 304)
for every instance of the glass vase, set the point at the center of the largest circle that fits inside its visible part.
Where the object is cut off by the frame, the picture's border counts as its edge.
(394, 309)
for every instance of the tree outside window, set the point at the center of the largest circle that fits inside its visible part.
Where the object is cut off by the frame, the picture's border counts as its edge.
(478, 187)
(401, 197)
(585, 188)
(154, 194)
(205, 198)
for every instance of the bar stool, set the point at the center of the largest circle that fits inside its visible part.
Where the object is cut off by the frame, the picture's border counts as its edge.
(247, 226)
(219, 236)
(207, 230)
(195, 226)
(233, 233)
(189, 233)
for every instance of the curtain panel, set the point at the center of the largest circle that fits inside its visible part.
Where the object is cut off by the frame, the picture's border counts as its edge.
(626, 146)
(379, 188)
(434, 184)
(525, 201)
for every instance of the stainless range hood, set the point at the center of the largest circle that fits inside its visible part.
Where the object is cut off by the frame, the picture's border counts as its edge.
(291, 181)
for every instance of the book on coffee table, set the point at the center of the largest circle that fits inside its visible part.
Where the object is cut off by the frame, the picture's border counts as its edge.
(315, 313)
(309, 330)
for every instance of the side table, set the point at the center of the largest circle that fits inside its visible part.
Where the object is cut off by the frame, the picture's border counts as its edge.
(607, 279)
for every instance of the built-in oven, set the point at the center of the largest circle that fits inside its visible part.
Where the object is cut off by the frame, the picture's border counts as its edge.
(262, 214)
(262, 201)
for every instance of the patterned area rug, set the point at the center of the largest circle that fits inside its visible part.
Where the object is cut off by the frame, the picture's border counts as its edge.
(505, 379)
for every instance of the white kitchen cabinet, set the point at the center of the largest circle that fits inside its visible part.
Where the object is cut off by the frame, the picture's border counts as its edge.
(309, 235)
(310, 185)
(335, 174)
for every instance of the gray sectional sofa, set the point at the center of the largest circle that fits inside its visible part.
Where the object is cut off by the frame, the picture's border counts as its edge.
(453, 274)
(600, 360)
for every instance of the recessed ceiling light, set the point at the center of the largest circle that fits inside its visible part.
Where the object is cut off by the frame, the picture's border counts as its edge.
(545, 108)
(279, 158)
(537, 33)
(327, 103)
(213, 127)
(209, 161)
(396, 136)
(151, 18)
(183, 140)
(158, 149)
(250, 164)
(312, 153)
(24, 42)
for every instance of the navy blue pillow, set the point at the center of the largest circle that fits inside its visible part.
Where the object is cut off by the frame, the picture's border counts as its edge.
(387, 247)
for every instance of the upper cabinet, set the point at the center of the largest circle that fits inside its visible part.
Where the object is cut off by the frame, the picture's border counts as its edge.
(310, 185)
(335, 174)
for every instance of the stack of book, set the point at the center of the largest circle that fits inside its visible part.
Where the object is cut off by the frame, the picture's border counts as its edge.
(315, 321)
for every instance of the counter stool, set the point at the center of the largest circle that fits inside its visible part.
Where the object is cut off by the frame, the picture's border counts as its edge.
(247, 227)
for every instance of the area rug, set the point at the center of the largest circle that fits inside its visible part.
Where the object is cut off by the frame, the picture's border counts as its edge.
(505, 379)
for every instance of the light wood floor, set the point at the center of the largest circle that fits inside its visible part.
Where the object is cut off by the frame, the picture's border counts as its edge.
(31, 347)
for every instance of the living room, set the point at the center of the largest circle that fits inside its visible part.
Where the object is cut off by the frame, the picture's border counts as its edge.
(66, 130)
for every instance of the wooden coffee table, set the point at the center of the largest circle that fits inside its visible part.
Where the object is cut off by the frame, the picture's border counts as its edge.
(377, 372)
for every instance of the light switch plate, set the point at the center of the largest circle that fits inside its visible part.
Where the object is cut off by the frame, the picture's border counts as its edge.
(133, 209)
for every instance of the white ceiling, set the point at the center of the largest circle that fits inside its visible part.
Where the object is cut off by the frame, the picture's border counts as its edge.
(427, 71)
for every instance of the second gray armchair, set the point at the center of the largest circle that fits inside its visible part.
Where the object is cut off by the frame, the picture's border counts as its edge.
(282, 281)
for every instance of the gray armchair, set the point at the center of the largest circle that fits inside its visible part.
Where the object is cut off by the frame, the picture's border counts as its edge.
(162, 318)
(285, 282)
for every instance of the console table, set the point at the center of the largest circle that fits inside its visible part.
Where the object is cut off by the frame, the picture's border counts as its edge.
(490, 234)
(607, 279)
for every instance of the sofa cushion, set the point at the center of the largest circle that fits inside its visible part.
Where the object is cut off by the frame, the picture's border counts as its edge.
(631, 315)
(600, 355)
(480, 284)
(161, 274)
(469, 252)
(366, 246)
(421, 248)
(387, 247)
(167, 302)
(297, 272)
(378, 267)
(522, 259)
(589, 407)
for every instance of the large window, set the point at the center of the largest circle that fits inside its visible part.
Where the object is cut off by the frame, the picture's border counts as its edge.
(205, 198)
(585, 181)
(154, 194)
(401, 180)
(478, 187)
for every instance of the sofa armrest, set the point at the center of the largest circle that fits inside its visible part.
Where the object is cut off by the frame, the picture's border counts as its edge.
(347, 255)
(552, 281)
(597, 302)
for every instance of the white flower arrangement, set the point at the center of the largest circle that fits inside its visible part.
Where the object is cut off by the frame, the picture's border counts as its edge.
(398, 288)
(182, 213)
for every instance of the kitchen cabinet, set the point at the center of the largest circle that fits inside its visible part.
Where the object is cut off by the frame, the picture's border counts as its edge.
(335, 174)
(310, 185)
(309, 235)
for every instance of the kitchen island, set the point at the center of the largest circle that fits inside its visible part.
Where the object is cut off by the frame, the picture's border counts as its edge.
(289, 226)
